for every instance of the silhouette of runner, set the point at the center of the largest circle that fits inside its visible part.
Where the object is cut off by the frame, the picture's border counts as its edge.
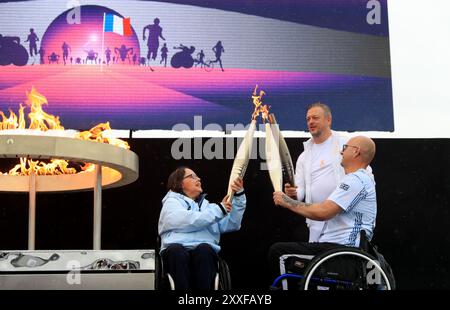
(154, 33)
(200, 59)
(108, 55)
(164, 52)
(66, 48)
(218, 49)
(32, 38)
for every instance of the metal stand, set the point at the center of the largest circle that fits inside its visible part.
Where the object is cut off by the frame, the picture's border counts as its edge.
(32, 212)
(97, 236)
(98, 207)
(115, 166)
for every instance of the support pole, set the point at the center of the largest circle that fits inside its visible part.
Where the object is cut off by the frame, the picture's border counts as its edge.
(98, 207)
(103, 42)
(32, 212)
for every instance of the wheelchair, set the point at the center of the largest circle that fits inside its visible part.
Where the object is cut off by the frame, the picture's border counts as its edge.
(165, 282)
(343, 268)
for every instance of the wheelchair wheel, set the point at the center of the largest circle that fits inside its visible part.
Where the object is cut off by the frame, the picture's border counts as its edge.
(163, 280)
(224, 276)
(346, 269)
(20, 57)
(12, 53)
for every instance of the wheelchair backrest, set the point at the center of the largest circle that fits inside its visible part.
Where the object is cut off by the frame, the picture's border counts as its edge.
(371, 249)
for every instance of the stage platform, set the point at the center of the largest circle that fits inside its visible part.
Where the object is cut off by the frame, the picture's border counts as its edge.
(77, 270)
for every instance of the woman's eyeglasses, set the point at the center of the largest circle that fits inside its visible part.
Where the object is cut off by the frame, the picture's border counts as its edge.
(192, 176)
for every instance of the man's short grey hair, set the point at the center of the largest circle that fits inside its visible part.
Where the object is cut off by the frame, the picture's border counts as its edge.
(319, 104)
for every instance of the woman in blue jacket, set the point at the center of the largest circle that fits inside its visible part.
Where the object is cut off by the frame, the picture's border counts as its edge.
(190, 228)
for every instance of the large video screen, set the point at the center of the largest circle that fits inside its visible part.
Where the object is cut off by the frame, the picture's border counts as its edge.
(156, 64)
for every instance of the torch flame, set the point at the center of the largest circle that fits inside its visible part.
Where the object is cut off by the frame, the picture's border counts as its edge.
(97, 133)
(259, 106)
(56, 166)
(265, 113)
(40, 120)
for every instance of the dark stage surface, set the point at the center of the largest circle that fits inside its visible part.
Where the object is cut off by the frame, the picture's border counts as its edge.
(413, 189)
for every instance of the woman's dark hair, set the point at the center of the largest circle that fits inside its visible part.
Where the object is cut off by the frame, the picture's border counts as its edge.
(174, 183)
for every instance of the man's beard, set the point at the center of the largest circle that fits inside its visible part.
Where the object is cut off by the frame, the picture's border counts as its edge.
(317, 134)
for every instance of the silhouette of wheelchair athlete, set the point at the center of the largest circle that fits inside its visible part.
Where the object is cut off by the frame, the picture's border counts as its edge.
(91, 56)
(12, 52)
(53, 58)
(124, 52)
(183, 58)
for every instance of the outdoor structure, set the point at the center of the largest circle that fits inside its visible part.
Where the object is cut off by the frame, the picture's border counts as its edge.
(114, 166)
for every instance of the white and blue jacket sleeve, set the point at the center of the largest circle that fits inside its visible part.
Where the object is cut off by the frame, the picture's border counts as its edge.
(232, 221)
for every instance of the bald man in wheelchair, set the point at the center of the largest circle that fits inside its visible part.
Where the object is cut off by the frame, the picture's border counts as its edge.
(351, 207)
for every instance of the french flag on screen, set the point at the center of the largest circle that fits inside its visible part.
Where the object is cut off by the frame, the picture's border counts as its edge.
(117, 24)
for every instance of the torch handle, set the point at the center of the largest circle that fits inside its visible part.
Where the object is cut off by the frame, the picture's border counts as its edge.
(230, 195)
(240, 162)
(285, 155)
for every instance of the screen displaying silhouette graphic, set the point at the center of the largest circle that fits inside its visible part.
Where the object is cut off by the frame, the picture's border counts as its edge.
(194, 58)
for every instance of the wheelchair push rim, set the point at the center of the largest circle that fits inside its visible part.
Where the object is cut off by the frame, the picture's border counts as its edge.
(309, 272)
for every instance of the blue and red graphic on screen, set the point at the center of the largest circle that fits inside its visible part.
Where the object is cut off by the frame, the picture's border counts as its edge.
(82, 43)
(154, 81)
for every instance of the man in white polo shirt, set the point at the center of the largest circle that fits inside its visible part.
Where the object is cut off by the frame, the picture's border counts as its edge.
(350, 208)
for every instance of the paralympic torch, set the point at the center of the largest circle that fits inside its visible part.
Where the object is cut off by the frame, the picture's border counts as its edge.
(245, 148)
(285, 156)
(273, 159)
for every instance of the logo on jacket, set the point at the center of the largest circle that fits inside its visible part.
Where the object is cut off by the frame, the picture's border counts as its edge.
(344, 186)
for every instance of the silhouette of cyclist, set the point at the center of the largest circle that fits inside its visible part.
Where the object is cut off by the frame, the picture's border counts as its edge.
(8, 40)
(11, 52)
(183, 58)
